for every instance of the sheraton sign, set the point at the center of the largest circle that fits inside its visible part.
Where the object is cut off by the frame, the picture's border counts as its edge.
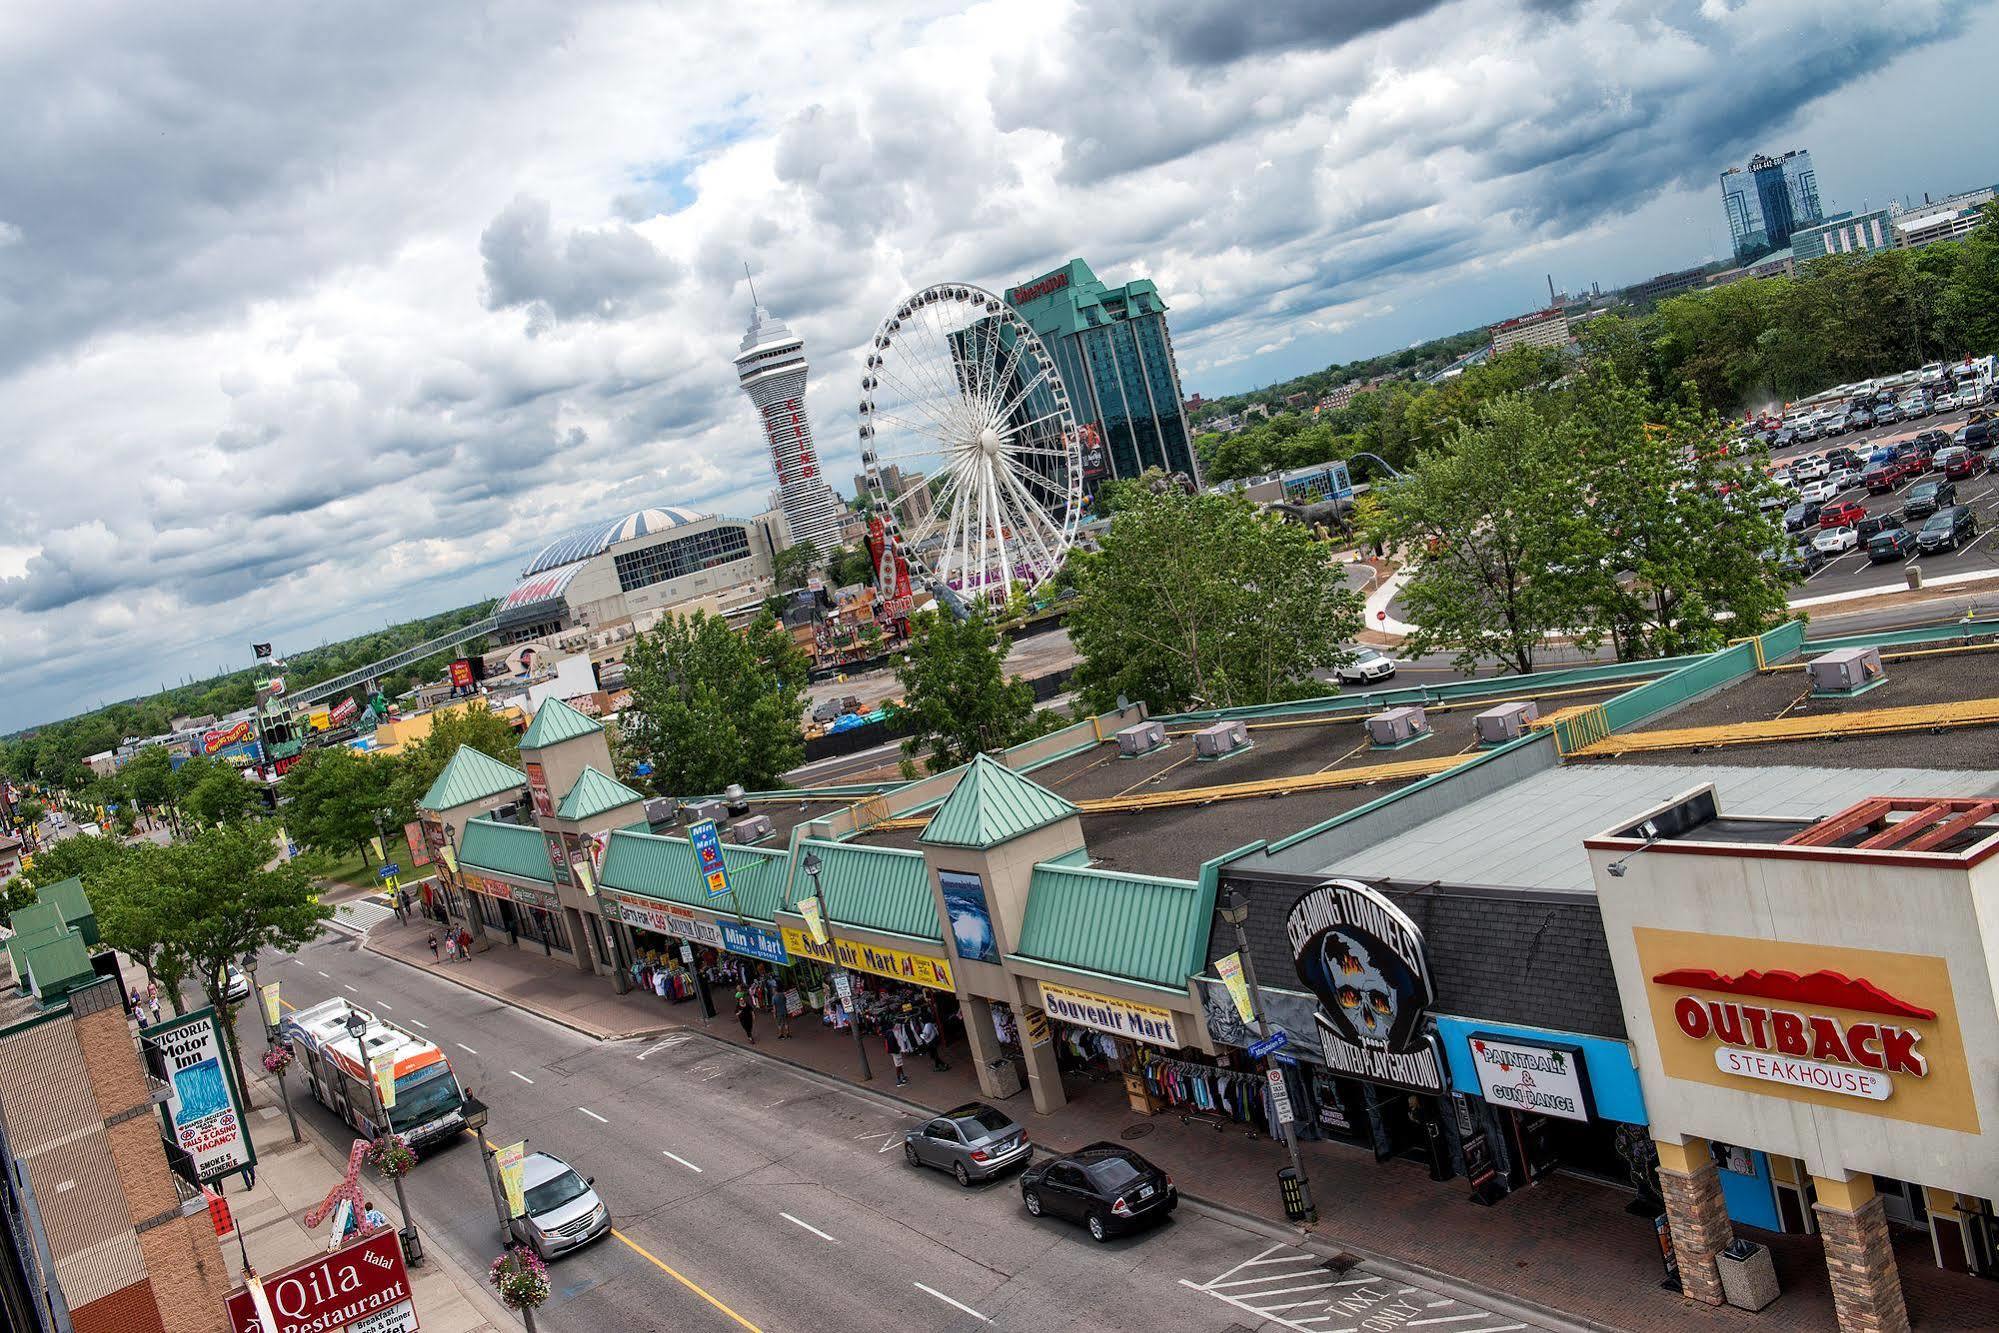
(1848, 1028)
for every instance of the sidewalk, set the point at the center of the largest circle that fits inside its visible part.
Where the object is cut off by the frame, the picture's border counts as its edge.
(292, 1177)
(1565, 1244)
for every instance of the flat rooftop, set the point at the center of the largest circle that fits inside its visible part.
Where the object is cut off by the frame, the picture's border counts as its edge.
(1175, 839)
(1917, 678)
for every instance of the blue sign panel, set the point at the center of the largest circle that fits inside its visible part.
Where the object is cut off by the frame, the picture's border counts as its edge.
(1613, 1080)
(1276, 1041)
(754, 942)
(1283, 1059)
(385, 871)
(707, 846)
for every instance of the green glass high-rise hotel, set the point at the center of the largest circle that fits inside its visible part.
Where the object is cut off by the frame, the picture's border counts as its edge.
(1114, 354)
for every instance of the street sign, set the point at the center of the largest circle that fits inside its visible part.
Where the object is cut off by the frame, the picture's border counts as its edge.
(707, 846)
(1283, 1059)
(388, 871)
(845, 986)
(1276, 1041)
(362, 1286)
(1280, 1097)
(686, 952)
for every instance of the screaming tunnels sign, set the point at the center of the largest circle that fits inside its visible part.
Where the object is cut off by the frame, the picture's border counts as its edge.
(1850, 1029)
(1364, 959)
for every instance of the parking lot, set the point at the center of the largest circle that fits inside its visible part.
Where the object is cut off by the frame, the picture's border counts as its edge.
(1852, 571)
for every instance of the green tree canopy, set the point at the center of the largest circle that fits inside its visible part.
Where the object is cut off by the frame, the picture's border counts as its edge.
(794, 565)
(1199, 600)
(711, 706)
(336, 796)
(957, 698)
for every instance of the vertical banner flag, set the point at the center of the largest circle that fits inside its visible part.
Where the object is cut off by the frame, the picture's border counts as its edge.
(450, 855)
(513, 1175)
(269, 990)
(376, 843)
(585, 878)
(1230, 971)
(815, 919)
(383, 1067)
(707, 846)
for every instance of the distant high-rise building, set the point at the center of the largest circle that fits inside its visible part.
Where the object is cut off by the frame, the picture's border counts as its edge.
(1116, 359)
(1768, 200)
(771, 368)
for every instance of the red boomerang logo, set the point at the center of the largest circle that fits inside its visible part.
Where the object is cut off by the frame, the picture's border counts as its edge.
(1833, 990)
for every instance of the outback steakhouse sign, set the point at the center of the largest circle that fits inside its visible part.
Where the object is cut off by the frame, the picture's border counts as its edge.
(363, 1288)
(1846, 1028)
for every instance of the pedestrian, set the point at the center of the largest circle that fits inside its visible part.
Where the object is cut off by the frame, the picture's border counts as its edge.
(139, 1011)
(746, 1014)
(928, 1039)
(154, 1005)
(450, 947)
(781, 1008)
(433, 946)
(464, 945)
(373, 1217)
(895, 1056)
(153, 993)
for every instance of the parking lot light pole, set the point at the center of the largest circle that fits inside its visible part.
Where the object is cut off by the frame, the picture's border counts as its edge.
(812, 865)
(1235, 910)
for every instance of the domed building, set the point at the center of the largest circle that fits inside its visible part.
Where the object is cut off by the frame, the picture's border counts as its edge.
(639, 566)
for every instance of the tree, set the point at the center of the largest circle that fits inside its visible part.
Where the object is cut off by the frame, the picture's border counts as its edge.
(58, 861)
(137, 914)
(31, 812)
(1199, 600)
(1490, 522)
(222, 796)
(957, 698)
(418, 767)
(792, 566)
(150, 779)
(711, 706)
(848, 565)
(336, 796)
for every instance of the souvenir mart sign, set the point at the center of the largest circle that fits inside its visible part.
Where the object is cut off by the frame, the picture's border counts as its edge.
(915, 969)
(1120, 1018)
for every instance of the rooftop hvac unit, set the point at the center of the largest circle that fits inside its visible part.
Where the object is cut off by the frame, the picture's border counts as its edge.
(659, 810)
(696, 811)
(1507, 722)
(1223, 738)
(733, 796)
(1397, 726)
(1140, 738)
(755, 829)
(1846, 671)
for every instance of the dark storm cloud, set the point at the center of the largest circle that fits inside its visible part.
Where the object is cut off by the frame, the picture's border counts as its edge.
(602, 273)
(1219, 32)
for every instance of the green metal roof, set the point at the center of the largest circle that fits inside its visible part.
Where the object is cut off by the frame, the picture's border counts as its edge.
(40, 914)
(875, 888)
(470, 776)
(70, 899)
(1118, 925)
(33, 926)
(990, 805)
(660, 867)
(593, 794)
(555, 722)
(505, 849)
(59, 964)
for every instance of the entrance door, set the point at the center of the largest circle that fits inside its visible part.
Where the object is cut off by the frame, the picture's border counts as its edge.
(1904, 1202)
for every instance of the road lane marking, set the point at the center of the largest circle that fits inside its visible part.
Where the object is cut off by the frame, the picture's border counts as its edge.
(463, 1047)
(686, 1281)
(298, 962)
(585, 1110)
(384, 1006)
(350, 988)
(956, 1304)
(800, 1222)
(420, 1023)
(522, 1077)
(682, 1160)
(327, 975)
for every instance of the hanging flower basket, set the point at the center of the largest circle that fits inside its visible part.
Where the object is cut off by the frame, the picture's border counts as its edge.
(391, 1155)
(278, 1059)
(521, 1278)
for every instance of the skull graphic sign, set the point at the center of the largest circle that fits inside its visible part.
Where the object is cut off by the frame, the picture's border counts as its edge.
(1363, 957)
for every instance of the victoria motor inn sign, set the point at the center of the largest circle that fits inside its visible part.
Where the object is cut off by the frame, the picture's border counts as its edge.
(1849, 1029)
(1364, 959)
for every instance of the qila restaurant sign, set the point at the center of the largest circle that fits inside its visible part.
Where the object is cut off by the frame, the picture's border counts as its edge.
(361, 1288)
(1846, 1029)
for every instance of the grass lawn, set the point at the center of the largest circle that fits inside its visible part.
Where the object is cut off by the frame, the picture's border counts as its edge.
(346, 869)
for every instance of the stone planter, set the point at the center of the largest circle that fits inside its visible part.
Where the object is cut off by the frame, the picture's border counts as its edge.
(1748, 1275)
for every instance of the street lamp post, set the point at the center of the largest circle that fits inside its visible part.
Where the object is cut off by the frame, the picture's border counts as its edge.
(357, 1028)
(477, 1114)
(1235, 910)
(812, 866)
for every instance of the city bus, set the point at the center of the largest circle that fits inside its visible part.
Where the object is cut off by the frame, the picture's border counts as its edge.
(428, 1101)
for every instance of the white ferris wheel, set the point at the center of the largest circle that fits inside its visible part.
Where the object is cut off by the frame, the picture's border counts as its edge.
(963, 401)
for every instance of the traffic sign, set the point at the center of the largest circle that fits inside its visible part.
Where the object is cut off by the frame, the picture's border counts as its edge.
(387, 871)
(1276, 1041)
(1283, 1059)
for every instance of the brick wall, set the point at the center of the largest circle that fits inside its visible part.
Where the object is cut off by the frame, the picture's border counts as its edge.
(190, 1278)
(1866, 1285)
(128, 1310)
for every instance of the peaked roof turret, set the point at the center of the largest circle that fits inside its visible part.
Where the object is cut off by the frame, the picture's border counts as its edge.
(555, 722)
(593, 794)
(990, 805)
(470, 776)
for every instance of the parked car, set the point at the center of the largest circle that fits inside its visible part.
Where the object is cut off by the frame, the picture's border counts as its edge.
(1959, 463)
(1873, 523)
(1918, 459)
(1784, 477)
(1915, 406)
(1801, 516)
(1810, 468)
(1820, 491)
(1840, 456)
(1896, 543)
(1931, 440)
(1881, 478)
(1835, 541)
(1845, 478)
(1842, 515)
(1926, 497)
(235, 986)
(563, 1211)
(972, 1142)
(1887, 413)
(1108, 1188)
(1975, 435)
(1948, 528)
(1798, 561)
(1967, 396)
(1367, 665)
(1860, 417)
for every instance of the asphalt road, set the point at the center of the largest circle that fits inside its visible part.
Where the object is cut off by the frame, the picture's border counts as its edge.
(749, 1195)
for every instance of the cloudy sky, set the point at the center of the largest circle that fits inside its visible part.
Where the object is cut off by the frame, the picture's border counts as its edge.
(317, 317)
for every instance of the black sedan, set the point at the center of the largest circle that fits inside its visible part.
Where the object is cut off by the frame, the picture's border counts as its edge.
(1108, 1188)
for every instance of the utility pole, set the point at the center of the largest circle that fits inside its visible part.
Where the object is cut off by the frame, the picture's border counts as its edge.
(1235, 911)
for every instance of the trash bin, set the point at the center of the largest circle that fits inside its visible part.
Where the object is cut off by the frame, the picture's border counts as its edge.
(1913, 576)
(1748, 1276)
(1005, 1077)
(1295, 1207)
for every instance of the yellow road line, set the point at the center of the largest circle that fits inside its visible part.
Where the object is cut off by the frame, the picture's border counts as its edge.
(683, 1280)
